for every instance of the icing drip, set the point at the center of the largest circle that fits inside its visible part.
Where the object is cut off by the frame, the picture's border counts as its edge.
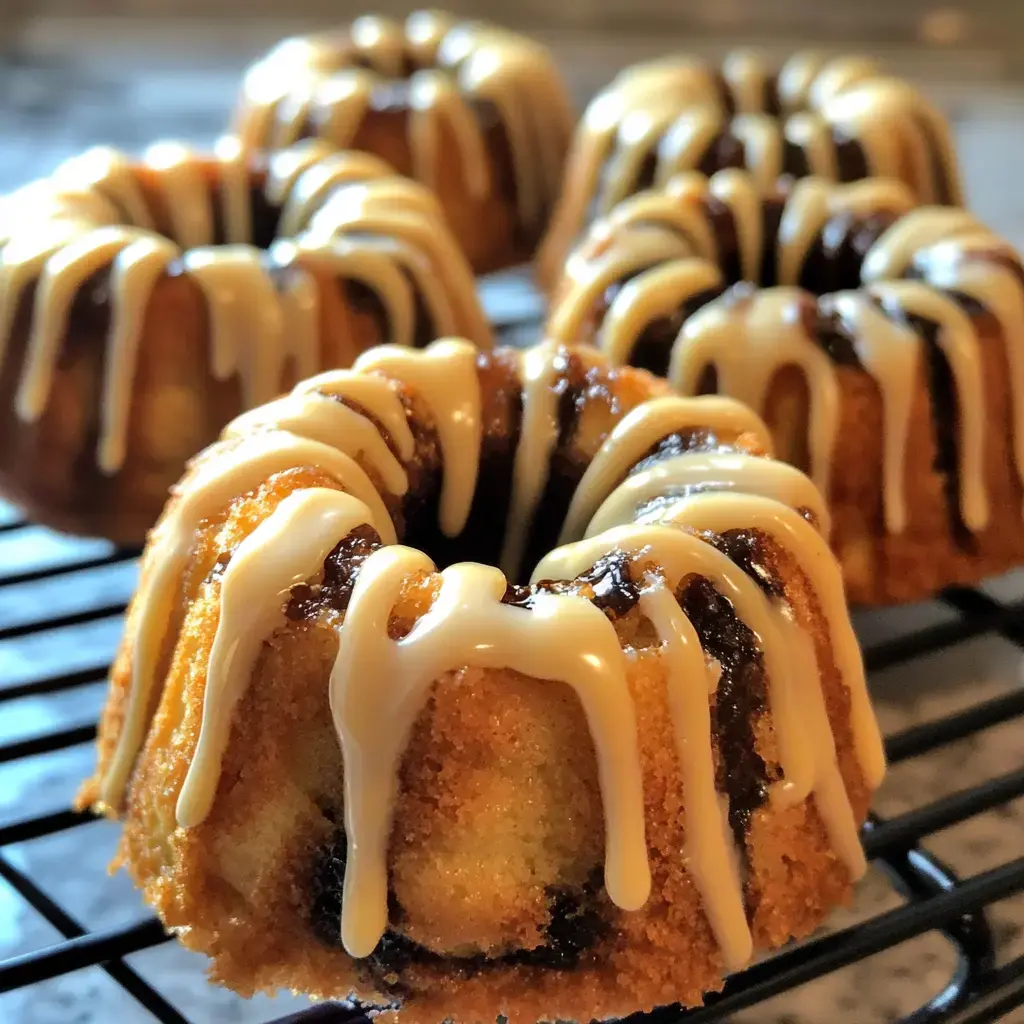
(747, 347)
(457, 66)
(444, 376)
(762, 148)
(894, 123)
(215, 481)
(661, 250)
(639, 430)
(659, 292)
(693, 471)
(709, 853)
(966, 266)
(736, 190)
(957, 340)
(814, 202)
(680, 553)
(891, 353)
(379, 685)
(136, 268)
(376, 679)
(725, 510)
(350, 214)
(254, 590)
(537, 439)
(672, 112)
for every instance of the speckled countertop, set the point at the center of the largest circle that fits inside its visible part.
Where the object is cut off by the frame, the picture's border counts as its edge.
(70, 86)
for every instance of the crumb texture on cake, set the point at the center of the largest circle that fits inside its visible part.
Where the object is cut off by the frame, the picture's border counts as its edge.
(368, 735)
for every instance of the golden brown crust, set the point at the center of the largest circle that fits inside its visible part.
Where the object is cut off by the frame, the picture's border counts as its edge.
(499, 801)
(487, 226)
(881, 567)
(49, 467)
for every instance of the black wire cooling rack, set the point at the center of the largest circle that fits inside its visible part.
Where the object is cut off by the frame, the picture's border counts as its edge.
(936, 899)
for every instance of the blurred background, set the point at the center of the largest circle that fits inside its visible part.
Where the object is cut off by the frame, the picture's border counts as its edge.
(77, 72)
(74, 73)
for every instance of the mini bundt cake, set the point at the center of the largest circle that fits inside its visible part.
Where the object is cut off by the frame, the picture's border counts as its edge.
(839, 119)
(144, 304)
(344, 769)
(871, 334)
(477, 113)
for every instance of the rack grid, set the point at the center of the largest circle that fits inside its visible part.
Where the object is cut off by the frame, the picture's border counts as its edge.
(936, 899)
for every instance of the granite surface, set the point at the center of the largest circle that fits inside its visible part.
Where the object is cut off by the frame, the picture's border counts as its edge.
(67, 85)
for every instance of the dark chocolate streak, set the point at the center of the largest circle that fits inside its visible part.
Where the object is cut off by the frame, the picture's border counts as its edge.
(566, 465)
(480, 540)
(724, 151)
(575, 925)
(341, 570)
(851, 160)
(945, 418)
(740, 700)
(609, 579)
(834, 260)
(265, 218)
(364, 299)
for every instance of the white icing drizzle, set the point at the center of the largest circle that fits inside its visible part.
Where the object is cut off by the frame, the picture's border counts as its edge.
(679, 554)
(893, 253)
(709, 852)
(891, 353)
(894, 123)
(319, 417)
(62, 276)
(444, 376)
(376, 679)
(639, 430)
(254, 590)
(674, 477)
(958, 341)
(971, 265)
(351, 215)
(214, 482)
(586, 281)
(747, 341)
(747, 346)
(379, 686)
(538, 436)
(762, 148)
(746, 75)
(814, 202)
(672, 111)
(137, 268)
(726, 510)
(659, 292)
(456, 65)
(737, 191)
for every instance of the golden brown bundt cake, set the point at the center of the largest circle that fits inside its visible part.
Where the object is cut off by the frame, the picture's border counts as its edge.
(880, 341)
(354, 756)
(839, 119)
(143, 304)
(477, 113)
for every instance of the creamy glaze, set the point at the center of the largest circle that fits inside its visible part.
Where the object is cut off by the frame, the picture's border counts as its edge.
(749, 340)
(350, 215)
(455, 66)
(824, 102)
(379, 685)
(709, 852)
